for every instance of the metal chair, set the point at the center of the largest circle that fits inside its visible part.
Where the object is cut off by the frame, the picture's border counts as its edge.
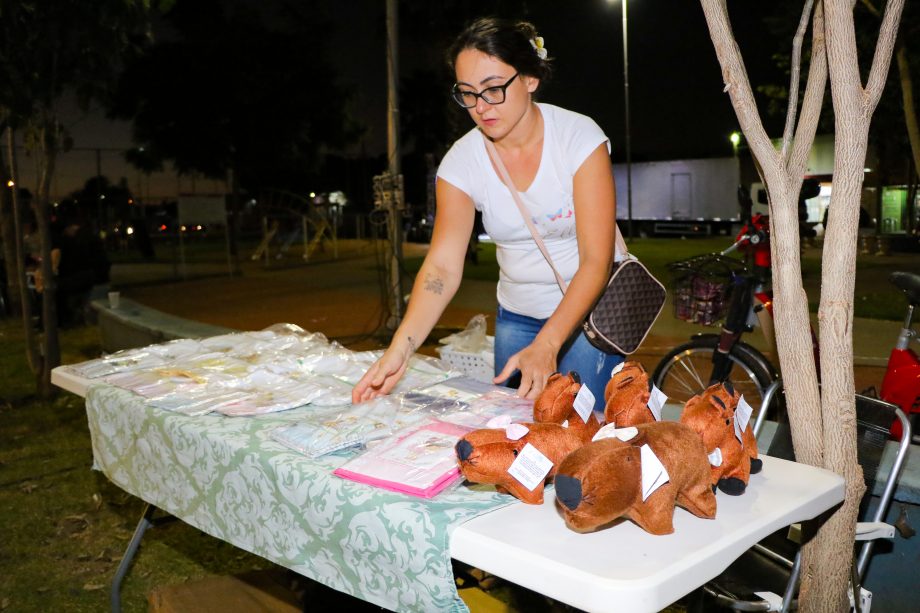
(766, 577)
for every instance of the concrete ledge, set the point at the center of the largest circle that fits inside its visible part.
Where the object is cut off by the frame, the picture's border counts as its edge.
(135, 325)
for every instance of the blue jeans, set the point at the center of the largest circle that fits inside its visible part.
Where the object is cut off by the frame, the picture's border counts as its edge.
(513, 332)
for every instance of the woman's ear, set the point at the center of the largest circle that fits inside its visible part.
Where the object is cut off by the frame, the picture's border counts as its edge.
(532, 84)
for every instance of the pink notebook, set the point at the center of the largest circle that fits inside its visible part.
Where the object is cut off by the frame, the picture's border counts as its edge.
(419, 460)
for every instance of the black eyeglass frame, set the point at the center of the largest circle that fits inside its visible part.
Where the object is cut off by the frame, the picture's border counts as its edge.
(456, 93)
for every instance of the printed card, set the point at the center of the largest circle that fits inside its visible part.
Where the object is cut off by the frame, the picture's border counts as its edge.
(530, 467)
(654, 474)
(742, 417)
(584, 403)
(656, 401)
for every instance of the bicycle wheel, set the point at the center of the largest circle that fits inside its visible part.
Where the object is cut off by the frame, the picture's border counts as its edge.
(684, 372)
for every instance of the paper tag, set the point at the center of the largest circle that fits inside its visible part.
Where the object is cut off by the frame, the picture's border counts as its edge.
(654, 474)
(530, 467)
(715, 458)
(501, 421)
(611, 431)
(656, 401)
(742, 417)
(516, 432)
(617, 368)
(584, 403)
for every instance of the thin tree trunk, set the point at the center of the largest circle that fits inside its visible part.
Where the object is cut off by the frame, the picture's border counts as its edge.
(910, 111)
(8, 235)
(32, 353)
(853, 109)
(41, 205)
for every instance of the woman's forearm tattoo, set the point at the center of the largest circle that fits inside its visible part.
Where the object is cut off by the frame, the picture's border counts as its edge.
(434, 284)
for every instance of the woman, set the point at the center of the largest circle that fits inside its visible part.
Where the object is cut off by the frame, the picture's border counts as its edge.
(559, 162)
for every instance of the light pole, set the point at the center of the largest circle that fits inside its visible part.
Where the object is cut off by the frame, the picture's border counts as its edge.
(629, 214)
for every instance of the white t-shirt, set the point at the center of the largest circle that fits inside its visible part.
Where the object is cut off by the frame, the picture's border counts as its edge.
(526, 282)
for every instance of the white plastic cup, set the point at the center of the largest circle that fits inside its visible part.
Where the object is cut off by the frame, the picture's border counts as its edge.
(114, 299)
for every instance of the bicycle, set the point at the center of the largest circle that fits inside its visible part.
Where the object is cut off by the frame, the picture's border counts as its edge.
(707, 290)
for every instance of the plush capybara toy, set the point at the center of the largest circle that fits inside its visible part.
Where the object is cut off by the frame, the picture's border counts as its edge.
(627, 395)
(602, 481)
(485, 455)
(556, 405)
(712, 415)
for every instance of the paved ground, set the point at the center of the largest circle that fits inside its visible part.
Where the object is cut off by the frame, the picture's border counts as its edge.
(342, 298)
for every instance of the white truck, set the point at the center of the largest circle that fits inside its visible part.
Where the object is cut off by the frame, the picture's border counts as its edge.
(683, 197)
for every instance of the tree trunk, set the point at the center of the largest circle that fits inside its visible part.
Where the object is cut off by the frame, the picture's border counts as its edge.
(910, 111)
(8, 236)
(31, 342)
(41, 205)
(853, 109)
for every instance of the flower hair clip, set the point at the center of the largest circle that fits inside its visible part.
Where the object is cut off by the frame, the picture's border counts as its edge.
(537, 44)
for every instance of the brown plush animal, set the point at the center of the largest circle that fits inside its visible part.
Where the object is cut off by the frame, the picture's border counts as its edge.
(712, 415)
(627, 395)
(556, 405)
(601, 482)
(485, 456)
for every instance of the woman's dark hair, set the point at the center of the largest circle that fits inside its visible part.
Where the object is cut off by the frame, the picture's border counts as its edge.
(509, 41)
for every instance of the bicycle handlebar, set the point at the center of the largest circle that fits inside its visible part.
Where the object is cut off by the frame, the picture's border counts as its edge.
(741, 240)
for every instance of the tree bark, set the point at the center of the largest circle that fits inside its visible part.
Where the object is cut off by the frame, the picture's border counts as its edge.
(41, 206)
(31, 342)
(853, 109)
(8, 235)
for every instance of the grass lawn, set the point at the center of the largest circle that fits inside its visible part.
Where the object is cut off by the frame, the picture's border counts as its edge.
(874, 298)
(65, 526)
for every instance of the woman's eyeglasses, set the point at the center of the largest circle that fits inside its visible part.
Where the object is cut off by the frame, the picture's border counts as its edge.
(490, 95)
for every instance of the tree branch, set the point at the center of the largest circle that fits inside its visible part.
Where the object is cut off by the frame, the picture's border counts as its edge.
(883, 51)
(738, 86)
(794, 78)
(813, 99)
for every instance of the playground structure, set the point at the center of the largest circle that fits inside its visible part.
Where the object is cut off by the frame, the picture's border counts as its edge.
(289, 218)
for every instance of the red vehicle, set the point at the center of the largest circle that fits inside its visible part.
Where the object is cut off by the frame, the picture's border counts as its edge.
(901, 385)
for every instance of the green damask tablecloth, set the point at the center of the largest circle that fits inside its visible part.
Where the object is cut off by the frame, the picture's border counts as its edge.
(225, 476)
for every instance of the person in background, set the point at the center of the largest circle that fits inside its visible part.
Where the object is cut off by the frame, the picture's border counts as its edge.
(79, 262)
(559, 162)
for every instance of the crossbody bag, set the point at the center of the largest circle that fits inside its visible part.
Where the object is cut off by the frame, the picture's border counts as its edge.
(623, 315)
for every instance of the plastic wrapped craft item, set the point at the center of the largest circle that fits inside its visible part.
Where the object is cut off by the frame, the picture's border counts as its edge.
(329, 430)
(419, 460)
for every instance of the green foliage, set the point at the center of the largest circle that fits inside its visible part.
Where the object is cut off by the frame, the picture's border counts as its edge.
(234, 85)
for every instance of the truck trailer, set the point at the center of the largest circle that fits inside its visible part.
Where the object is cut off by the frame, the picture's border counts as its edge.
(680, 197)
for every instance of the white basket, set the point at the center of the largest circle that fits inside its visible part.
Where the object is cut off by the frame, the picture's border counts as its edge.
(479, 366)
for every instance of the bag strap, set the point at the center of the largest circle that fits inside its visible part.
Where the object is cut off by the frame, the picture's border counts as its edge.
(619, 244)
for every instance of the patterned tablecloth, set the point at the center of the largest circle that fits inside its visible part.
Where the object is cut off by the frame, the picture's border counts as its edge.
(226, 477)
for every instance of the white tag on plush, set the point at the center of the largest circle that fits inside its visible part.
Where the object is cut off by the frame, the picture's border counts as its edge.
(530, 467)
(516, 432)
(584, 403)
(654, 474)
(715, 458)
(611, 431)
(565, 424)
(656, 401)
(502, 421)
(742, 416)
(617, 368)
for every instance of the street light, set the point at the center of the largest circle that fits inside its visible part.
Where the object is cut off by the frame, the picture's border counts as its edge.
(735, 139)
(629, 215)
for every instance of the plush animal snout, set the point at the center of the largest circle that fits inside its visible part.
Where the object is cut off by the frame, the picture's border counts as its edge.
(568, 491)
(464, 449)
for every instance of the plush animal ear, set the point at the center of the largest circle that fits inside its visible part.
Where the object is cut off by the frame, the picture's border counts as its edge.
(625, 381)
(575, 376)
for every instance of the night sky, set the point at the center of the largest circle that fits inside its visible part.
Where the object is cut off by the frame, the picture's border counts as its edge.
(678, 109)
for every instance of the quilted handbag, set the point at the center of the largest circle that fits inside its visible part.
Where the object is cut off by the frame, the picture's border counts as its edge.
(623, 315)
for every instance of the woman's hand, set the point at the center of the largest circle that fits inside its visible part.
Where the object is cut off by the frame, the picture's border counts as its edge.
(536, 361)
(382, 376)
